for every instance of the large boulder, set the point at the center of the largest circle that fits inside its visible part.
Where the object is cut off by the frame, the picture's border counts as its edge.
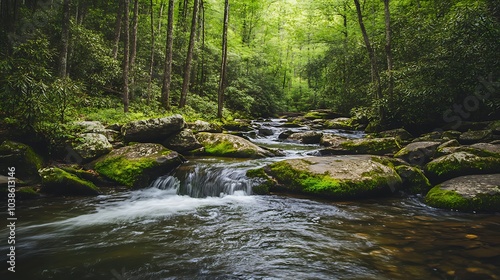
(346, 177)
(329, 140)
(340, 123)
(475, 136)
(418, 153)
(414, 180)
(183, 142)
(459, 164)
(227, 145)
(399, 133)
(467, 193)
(23, 158)
(90, 146)
(59, 182)
(237, 125)
(203, 126)
(137, 165)
(97, 127)
(372, 146)
(153, 130)
(309, 137)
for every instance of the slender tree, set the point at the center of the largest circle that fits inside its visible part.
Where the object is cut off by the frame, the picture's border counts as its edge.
(388, 48)
(118, 29)
(222, 83)
(63, 55)
(167, 74)
(152, 49)
(371, 53)
(133, 35)
(126, 52)
(189, 57)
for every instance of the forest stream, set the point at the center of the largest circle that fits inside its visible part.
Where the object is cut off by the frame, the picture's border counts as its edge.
(202, 222)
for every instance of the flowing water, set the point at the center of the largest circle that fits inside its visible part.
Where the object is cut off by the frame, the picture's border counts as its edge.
(202, 223)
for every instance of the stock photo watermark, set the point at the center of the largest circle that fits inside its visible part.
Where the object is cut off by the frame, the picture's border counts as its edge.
(11, 218)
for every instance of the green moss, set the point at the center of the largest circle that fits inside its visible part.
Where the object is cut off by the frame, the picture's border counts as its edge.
(220, 148)
(378, 146)
(315, 115)
(58, 181)
(301, 181)
(452, 167)
(264, 183)
(122, 170)
(448, 199)
(414, 179)
(27, 193)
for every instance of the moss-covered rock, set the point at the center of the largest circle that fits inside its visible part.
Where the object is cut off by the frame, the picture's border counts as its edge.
(341, 123)
(459, 164)
(414, 179)
(90, 146)
(237, 125)
(467, 193)
(309, 137)
(261, 182)
(447, 148)
(418, 153)
(203, 126)
(346, 177)
(23, 158)
(471, 137)
(25, 193)
(153, 130)
(227, 145)
(59, 182)
(183, 142)
(331, 140)
(398, 133)
(138, 165)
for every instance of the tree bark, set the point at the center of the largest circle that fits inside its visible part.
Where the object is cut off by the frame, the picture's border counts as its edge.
(133, 37)
(118, 29)
(222, 83)
(167, 75)
(152, 49)
(375, 76)
(388, 48)
(63, 55)
(189, 58)
(126, 50)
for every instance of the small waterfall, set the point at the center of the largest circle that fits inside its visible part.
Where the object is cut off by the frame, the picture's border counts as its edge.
(206, 180)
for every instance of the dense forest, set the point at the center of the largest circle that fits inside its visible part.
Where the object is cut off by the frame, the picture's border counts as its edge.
(410, 63)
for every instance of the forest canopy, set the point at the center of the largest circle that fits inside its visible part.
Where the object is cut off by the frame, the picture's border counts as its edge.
(411, 63)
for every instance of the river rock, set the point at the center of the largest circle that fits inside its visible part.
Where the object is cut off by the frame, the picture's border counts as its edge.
(153, 130)
(237, 125)
(414, 179)
(266, 132)
(346, 177)
(23, 158)
(285, 134)
(372, 146)
(182, 142)
(203, 126)
(137, 165)
(467, 193)
(399, 133)
(418, 153)
(340, 123)
(321, 114)
(449, 147)
(112, 134)
(90, 146)
(331, 140)
(459, 164)
(227, 145)
(309, 137)
(59, 182)
(471, 137)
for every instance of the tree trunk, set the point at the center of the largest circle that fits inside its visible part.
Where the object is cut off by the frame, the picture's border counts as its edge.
(63, 55)
(189, 58)
(388, 49)
(133, 35)
(118, 29)
(126, 50)
(222, 83)
(167, 75)
(152, 50)
(375, 76)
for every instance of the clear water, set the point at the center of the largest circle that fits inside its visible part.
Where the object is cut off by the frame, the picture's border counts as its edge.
(201, 223)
